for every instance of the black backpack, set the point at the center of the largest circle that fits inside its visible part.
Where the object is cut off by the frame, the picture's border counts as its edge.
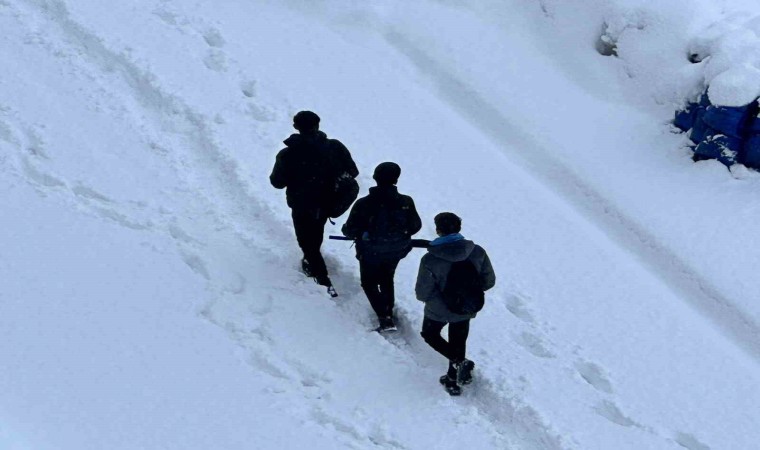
(346, 191)
(387, 237)
(390, 222)
(463, 293)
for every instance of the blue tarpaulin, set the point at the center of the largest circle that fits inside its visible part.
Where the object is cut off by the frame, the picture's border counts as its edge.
(728, 134)
(700, 130)
(728, 120)
(685, 118)
(752, 151)
(722, 147)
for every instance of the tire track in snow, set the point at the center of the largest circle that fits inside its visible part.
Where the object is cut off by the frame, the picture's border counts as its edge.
(538, 161)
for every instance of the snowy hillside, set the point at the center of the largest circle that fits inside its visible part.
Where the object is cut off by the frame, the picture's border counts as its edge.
(150, 296)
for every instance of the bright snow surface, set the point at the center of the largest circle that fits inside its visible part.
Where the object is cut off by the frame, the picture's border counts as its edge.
(149, 291)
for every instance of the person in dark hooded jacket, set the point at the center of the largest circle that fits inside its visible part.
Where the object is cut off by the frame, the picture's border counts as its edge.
(308, 167)
(443, 252)
(382, 224)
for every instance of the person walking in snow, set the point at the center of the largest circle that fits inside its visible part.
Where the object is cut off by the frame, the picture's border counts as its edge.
(382, 224)
(309, 167)
(452, 278)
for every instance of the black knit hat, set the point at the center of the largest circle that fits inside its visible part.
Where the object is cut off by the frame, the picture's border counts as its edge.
(387, 173)
(305, 121)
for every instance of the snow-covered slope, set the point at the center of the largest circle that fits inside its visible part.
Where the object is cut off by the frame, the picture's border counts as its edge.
(150, 293)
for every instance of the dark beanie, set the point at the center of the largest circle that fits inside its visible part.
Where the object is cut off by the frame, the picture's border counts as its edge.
(305, 120)
(387, 173)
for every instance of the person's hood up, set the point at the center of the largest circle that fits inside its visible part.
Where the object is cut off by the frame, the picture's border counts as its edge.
(453, 251)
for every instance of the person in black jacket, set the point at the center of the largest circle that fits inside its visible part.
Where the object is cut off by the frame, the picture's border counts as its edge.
(308, 167)
(382, 223)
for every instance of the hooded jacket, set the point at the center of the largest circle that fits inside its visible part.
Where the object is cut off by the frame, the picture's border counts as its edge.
(434, 268)
(308, 167)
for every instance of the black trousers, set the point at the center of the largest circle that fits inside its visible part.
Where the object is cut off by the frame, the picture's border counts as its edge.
(455, 348)
(377, 282)
(310, 230)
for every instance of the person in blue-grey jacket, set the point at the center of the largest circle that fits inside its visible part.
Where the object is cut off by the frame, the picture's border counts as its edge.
(449, 248)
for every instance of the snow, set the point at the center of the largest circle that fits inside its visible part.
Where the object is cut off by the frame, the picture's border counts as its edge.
(731, 53)
(150, 293)
(737, 86)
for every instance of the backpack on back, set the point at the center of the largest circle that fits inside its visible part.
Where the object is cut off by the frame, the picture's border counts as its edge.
(346, 191)
(343, 187)
(463, 292)
(387, 233)
(388, 223)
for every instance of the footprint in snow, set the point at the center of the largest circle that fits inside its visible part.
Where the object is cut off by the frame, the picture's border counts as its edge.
(310, 377)
(7, 134)
(264, 363)
(535, 345)
(170, 17)
(35, 145)
(39, 177)
(516, 306)
(382, 439)
(689, 442)
(89, 193)
(259, 113)
(261, 305)
(35, 153)
(239, 285)
(216, 60)
(167, 17)
(330, 421)
(119, 218)
(611, 412)
(196, 264)
(594, 375)
(248, 88)
(213, 38)
(179, 234)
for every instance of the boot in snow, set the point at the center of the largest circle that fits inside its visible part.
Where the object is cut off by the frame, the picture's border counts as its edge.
(386, 324)
(325, 281)
(464, 371)
(305, 268)
(450, 384)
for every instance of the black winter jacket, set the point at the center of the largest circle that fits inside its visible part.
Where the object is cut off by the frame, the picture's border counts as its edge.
(308, 168)
(383, 223)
